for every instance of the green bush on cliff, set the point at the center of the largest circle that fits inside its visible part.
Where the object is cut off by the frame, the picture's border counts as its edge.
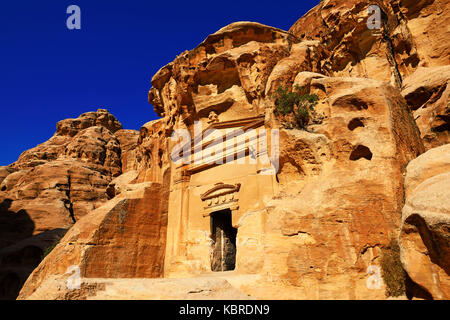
(297, 102)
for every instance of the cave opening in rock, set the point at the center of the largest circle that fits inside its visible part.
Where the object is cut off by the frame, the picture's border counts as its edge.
(361, 152)
(355, 123)
(223, 256)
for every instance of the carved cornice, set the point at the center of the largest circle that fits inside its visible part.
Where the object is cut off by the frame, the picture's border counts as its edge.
(227, 189)
(221, 196)
(240, 124)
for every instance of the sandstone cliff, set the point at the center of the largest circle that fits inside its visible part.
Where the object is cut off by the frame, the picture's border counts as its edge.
(346, 187)
(52, 186)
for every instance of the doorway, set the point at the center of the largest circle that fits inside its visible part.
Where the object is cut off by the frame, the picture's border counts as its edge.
(223, 256)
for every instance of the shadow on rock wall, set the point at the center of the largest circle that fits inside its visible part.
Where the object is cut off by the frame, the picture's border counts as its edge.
(20, 251)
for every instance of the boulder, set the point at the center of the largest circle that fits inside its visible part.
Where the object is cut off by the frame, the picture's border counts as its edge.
(427, 92)
(125, 238)
(424, 238)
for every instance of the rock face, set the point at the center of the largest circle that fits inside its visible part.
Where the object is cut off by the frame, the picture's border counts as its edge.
(125, 238)
(427, 92)
(325, 231)
(101, 118)
(404, 40)
(297, 213)
(425, 233)
(230, 68)
(406, 51)
(53, 185)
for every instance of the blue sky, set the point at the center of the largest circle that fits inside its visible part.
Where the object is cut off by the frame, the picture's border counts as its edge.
(49, 73)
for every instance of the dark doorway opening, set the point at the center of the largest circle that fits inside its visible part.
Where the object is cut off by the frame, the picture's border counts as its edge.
(223, 257)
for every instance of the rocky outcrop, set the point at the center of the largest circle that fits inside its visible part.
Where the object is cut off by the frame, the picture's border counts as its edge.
(53, 185)
(125, 238)
(424, 238)
(325, 229)
(427, 92)
(405, 40)
(101, 118)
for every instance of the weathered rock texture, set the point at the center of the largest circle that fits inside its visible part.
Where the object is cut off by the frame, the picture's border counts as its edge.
(427, 92)
(410, 51)
(308, 222)
(425, 233)
(407, 38)
(53, 185)
(123, 239)
(335, 211)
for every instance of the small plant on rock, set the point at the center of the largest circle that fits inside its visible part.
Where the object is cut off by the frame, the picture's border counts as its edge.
(298, 103)
(392, 270)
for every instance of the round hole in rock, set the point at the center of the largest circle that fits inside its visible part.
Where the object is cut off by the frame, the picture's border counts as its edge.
(355, 123)
(361, 152)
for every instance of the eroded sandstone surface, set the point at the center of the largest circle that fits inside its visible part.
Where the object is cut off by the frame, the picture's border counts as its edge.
(427, 93)
(425, 228)
(52, 186)
(311, 221)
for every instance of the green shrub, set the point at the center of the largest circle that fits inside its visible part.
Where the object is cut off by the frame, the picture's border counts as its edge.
(392, 269)
(302, 116)
(285, 101)
(297, 102)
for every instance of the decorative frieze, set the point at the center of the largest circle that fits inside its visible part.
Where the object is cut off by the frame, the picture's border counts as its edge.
(221, 196)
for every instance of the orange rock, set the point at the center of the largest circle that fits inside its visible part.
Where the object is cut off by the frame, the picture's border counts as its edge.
(53, 185)
(390, 54)
(128, 140)
(427, 92)
(101, 118)
(4, 172)
(425, 249)
(125, 238)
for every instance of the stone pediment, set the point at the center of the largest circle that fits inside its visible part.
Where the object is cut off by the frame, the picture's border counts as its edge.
(221, 196)
(241, 124)
(220, 189)
(237, 128)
